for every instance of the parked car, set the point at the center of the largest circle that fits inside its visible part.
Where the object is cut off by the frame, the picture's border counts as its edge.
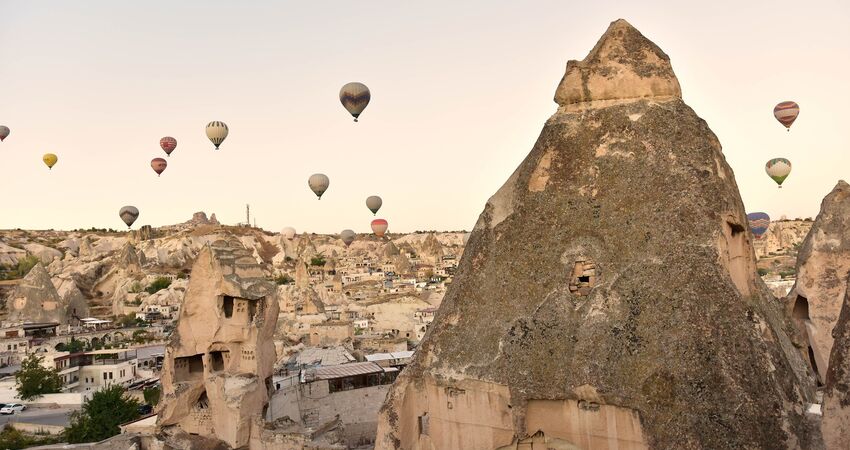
(145, 409)
(12, 408)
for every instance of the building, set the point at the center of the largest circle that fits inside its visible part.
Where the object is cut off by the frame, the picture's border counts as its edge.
(392, 359)
(91, 371)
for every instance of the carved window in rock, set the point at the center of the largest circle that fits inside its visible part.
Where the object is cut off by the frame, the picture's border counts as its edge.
(201, 414)
(424, 424)
(189, 368)
(219, 360)
(227, 306)
(584, 277)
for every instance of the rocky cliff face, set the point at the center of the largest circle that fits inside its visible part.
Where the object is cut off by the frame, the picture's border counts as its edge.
(35, 299)
(823, 267)
(836, 398)
(632, 316)
(218, 367)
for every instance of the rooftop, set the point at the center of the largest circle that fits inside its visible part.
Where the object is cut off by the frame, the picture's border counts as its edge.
(343, 370)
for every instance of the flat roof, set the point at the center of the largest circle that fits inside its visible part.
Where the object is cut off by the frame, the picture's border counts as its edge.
(40, 325)
(391, 355)
(93, 321)
(345, 370)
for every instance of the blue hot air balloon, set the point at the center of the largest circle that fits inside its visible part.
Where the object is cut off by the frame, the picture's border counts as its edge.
(759, 222)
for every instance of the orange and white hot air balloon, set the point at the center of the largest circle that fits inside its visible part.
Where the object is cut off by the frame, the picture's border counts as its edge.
(786, 113)
(158, 165)
(379, 227)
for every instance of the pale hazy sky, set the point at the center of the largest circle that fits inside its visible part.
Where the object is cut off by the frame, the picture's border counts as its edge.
(460, 91)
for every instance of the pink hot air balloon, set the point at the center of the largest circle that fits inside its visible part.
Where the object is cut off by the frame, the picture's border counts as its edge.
(379, 227)
(158, 165)
(168, 144)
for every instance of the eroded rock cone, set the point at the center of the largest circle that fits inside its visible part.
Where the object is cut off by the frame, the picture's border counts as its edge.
(823, 266)
(608, 297)
(36, 300)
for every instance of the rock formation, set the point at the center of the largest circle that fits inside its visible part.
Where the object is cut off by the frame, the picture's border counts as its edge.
(609, 296)
(219, 363)
(823, 267)
(836, 397)
(35, 299)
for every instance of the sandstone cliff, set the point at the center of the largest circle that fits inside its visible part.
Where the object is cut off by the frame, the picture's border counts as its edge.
(632, 316)
(823, 267)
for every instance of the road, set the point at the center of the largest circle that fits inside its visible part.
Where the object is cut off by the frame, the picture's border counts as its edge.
(41, 416)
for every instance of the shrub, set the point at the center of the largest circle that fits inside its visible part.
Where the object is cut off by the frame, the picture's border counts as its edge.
(35, 380)
(158, 285)
(763, 272)
(318, 260)
(101, 415)
(283, 279)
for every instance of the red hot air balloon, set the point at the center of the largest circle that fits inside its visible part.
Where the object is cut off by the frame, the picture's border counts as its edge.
(158, 165)
(379, 227)
(168, 144)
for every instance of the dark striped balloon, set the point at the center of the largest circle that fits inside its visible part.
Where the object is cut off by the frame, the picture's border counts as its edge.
(355, 98)
(168, 144)
(786, 113)
(217, 131)
(759, 223)
(158, 165)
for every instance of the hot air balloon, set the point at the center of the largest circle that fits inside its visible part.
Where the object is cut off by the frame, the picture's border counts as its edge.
(319, 183)
(379, 227)
(4, 132)
(128, 214)
(778, 169)
(50, 159)
(217, 131)
(168, 144)
(786, 113)
(288, 233)
(158, 165)
(355, 98)
(373, 202)
(347, 237)
(759, 222)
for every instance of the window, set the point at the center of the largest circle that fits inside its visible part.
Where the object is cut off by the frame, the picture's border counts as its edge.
(227, 306)
(217, 359)
(584, 277)
(424, 426)
(104, 375)
(110, 375)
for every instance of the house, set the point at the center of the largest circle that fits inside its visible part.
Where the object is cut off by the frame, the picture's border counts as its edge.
(91, 371)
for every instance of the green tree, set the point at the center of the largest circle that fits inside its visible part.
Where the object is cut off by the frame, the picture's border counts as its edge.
(151, 395)
(35, 380)
(158, 285)
(283, 279)
(318, 260)
(101, 415)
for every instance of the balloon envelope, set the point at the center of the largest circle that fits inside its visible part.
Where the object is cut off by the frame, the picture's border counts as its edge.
(158, 165)
(786, 113)
(374, 203)
(759, 222)
(216, 132)
(347, 237)
(355, 98)
(168, 144)
(778, 169)
(288, 233)
(50, 160)
(128, 214)
(319, 183)
(4, 132)
(379, 227)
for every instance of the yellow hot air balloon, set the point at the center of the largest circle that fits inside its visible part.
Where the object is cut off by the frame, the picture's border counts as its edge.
(50, 160)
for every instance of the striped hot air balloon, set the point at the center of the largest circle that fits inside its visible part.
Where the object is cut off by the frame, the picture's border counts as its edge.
(759, 222)
(168, 144)
(379, 227)
(217, 131)
(355, 98)
(4, 132)
(778, 169)
(786, 113)
(158, 165)
(128, 215)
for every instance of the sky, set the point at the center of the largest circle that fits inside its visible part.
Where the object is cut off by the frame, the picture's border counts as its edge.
(460, 92)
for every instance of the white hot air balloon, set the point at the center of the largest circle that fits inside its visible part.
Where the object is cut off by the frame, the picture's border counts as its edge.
(217, 131)
(288, 233)
(319, 183)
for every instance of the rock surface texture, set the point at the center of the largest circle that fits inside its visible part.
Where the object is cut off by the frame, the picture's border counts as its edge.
(219, 363)
(836, 397)
(608, 297)
(823, 267)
